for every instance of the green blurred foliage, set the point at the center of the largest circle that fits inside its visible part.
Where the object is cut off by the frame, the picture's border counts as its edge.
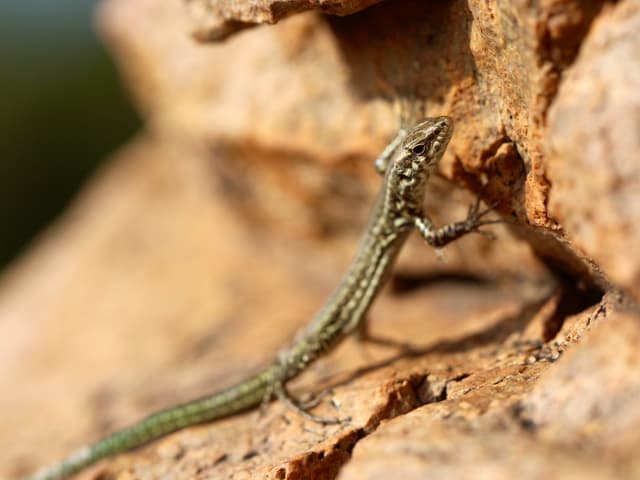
(62, 110)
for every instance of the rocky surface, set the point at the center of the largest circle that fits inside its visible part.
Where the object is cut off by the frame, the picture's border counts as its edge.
(215, 20)
(593, 164)
(203, 246)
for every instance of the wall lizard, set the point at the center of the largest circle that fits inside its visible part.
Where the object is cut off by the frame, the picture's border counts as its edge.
(406, 163)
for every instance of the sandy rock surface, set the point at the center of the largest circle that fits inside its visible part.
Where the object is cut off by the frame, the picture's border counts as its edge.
(203, 246)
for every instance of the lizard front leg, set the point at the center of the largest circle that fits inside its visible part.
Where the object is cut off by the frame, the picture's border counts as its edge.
(439, 237)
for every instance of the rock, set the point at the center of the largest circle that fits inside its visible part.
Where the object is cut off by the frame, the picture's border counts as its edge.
(593, 164)
(203, 246)
(215, 20)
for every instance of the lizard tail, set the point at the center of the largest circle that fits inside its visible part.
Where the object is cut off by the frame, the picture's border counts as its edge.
(230, 401)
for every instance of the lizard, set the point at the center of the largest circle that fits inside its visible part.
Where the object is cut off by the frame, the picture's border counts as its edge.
(406, 165)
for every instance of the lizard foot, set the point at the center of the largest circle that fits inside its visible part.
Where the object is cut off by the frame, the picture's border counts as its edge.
(303, 409)
(475, 218)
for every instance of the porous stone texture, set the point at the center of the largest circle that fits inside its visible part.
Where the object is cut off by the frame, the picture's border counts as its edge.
(203, 246)
(594, 164)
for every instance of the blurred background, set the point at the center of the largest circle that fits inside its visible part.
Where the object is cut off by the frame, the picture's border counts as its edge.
(62, 110)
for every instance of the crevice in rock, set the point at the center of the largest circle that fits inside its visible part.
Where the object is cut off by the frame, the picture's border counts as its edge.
(409, 394)
(573, 298)
(323, 464)
(421, 388)
(445, 391)
(428, 389)
(560, 258)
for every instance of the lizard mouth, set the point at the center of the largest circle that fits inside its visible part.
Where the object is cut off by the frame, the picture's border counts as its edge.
(445, 131)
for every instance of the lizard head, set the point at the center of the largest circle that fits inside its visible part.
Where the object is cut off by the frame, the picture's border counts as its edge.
(417, 157)
(426, 142)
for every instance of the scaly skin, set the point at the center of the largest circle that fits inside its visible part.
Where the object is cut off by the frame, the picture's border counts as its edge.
(407, 164)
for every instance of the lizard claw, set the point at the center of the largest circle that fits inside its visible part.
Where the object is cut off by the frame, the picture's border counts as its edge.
(475, 218)
(303, 409)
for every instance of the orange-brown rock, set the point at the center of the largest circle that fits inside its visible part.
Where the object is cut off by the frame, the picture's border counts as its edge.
(204, 245)
(217, 19)
(594, 164)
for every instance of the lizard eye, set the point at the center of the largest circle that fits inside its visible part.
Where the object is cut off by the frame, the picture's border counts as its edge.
(418, 149)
